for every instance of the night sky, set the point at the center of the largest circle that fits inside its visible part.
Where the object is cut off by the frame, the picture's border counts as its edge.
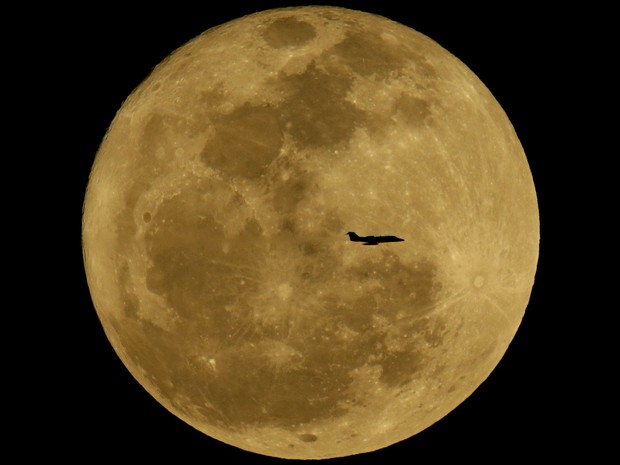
(523, 411)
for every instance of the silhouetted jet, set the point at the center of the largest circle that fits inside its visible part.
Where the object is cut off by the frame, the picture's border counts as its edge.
(373, 240)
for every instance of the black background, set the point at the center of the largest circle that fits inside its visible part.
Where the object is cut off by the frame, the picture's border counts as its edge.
(529, 408)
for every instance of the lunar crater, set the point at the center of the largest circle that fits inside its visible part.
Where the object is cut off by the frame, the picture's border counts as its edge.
(288, 32)
(308, 437)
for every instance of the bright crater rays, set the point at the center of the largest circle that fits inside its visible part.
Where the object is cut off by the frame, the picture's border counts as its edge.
(215, 219)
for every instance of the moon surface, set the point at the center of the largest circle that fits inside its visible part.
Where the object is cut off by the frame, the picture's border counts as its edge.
(214, 232)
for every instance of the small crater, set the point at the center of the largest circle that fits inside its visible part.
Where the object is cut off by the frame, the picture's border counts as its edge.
(413, 110)
(479, 281)
(399, 365)
(308, 437)
(147, 217)
(309, 249)
(285, 291)
(288, 32)
(288, 225)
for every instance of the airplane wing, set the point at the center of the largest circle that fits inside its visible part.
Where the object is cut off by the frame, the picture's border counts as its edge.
(370, 243)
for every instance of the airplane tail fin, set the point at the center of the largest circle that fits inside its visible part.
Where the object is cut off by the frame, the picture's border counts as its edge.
(352, 235)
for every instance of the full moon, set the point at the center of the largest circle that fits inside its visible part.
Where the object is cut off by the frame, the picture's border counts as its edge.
(215, 232)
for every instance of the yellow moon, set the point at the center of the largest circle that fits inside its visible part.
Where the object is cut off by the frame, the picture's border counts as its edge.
(214, 232)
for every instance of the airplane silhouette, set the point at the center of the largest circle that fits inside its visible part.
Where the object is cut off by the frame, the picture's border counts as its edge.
(373, 240)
